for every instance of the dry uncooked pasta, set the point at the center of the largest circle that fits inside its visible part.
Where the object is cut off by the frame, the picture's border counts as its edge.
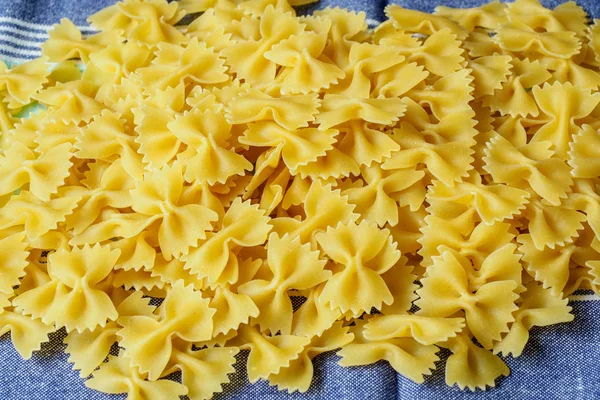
(430, 183)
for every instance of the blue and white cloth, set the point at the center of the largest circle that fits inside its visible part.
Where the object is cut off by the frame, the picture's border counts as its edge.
(559, 362)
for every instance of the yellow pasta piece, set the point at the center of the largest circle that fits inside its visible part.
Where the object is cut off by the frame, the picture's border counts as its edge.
(293, 266)
(470, 366)
(183, 314)
(361, 253)
(66, 42)
(407, 356)
(118, 376)
(490, 16)
(74, 275)
(476, 295)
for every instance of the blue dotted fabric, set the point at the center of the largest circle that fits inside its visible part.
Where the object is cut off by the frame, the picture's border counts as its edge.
(559, 362)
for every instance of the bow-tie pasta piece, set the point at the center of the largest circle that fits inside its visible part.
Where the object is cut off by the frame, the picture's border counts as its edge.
(568, 71)
(398, 80)
(448, 95)
(43, 172)
(583, 153)
(88, 349)
(593, 36)
(348, 27)
(66, 42)
(381, 194)
(117, 375)
(515, 97)
(298, 147)
(268, 354)
(444, 146)
(203, 371)
(105, 185)
(407, 233)
(150, 23)
(23, 81)
(334, 164)
(519, 38)
(366, 143)
(193, 64)
(492, 202)
(13, 261)
(106, 137)
(169, 272)
(565, 17)
(290, 112)
(54, 133)
(489, 73)
(361, 254)
(36, 217)
(561, 105)
(480, 44)
(157, 143)
(476, 243)
(554, 266)
(470, 366)
(71, 102)
(71, 298)
(440, 53)
(406, 355)
(207, 157)
(243, 225)
(112, 224)
(365, 61)
(424, 330)
(232, 309)
(462, 292)
(400, 280)
(158, 199)
(585, 198)
(552, 226)
(490, 16)
(298, 376)
(305, 69)
(538, 308)
(294, 266)
(337, 109)
(148, 341)
(247, 58)
(323, 207)
(529, 166)
(26, 333)
(115, 62)
(414, 21)
(313, 317)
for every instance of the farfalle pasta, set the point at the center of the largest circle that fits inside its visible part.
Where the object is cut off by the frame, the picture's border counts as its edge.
(249, 180)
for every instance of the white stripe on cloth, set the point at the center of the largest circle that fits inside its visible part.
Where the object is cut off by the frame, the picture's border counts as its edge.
(17, 52)
(39, 27)
(20, 40)
(6, 30)
(19, 43)
(584, 297)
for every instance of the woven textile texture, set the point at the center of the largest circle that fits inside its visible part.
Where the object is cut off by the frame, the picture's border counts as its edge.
(559, 362)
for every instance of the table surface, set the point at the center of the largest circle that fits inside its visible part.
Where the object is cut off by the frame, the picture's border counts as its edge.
(559, 362)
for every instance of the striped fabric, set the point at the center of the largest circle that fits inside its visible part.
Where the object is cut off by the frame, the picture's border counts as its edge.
(559, 362)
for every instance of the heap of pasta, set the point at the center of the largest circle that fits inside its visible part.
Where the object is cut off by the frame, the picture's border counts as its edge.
(430, 183)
